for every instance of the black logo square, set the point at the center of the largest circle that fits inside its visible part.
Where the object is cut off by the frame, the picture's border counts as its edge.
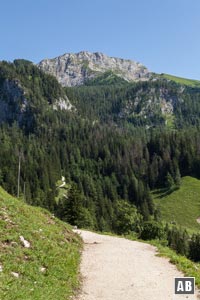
(185, 285)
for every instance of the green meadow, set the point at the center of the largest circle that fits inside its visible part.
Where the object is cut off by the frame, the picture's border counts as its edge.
(182, 206)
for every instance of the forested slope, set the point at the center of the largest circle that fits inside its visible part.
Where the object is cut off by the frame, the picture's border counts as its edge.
(111, 141)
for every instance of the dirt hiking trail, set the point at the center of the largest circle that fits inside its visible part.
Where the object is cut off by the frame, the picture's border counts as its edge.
(119, 269)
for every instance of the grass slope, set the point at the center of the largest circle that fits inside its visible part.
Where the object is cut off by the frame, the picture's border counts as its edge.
(185, 81)
(182, 205)
(46, 270)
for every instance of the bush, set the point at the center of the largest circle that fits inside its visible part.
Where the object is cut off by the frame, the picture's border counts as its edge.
(194, 247)
(178, 240)
(127, 218)
(86, 219)
(152, 230)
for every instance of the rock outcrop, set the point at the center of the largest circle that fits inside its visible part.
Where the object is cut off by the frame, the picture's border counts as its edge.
(12, 100)
(75, 69)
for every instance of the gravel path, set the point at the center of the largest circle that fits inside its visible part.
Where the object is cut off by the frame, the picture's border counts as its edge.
(118, 269)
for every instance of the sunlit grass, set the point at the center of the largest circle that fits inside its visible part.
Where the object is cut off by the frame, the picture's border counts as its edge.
(185, 81)
(181, 206)
(46, 270)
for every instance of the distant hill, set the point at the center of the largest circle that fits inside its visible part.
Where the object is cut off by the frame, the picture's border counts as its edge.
(181, 206)
(72, 69)
(115, 89)
(75, 69)
(39, 254)
(109, 88)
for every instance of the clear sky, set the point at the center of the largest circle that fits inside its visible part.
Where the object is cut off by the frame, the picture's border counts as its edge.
(164, 35)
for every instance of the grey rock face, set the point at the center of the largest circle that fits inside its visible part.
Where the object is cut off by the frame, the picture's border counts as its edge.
(149, 102)
(12, 100)
(74, 69)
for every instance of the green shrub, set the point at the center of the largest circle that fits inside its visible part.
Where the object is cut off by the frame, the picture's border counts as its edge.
(194, 247)
(178, 240)
(127, 218)
(152, 230)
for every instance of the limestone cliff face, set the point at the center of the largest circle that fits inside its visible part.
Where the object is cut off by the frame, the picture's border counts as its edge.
(12, 100)
(75, 69)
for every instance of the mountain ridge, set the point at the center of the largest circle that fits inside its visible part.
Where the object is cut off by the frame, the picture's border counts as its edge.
(72, 69)
(157, 100)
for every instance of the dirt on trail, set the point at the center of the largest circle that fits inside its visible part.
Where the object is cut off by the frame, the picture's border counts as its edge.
(119, 269)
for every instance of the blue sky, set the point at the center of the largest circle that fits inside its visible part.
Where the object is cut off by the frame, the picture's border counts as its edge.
(164, 35)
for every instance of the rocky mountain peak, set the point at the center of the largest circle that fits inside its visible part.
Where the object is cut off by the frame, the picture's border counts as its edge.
(75, 69)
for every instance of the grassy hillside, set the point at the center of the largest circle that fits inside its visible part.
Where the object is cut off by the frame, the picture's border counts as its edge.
(46, 270)
(183, 205)
(185, 81)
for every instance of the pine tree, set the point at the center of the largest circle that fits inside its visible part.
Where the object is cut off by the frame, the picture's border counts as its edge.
(70, 206)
